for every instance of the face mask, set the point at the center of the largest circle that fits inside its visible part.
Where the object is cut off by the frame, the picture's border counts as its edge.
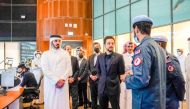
(97, 50)
(80, 56)
(19, 70)
(136, 38)
(38, 56)
(179, 53)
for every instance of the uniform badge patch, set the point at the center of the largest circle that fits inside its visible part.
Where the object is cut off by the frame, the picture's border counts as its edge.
(137, 61)
(170, 68)
(137, 51)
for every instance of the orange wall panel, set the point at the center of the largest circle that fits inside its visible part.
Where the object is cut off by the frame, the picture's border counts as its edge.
(52, 15)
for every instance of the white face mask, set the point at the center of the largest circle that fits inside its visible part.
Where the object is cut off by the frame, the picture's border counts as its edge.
(38, 56)
(179, 53)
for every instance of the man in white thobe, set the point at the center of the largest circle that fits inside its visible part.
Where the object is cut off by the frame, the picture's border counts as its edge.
(56, 66)
(36, 69)
(36, 62)
(181, 58)
(187, 71)
(126, 95)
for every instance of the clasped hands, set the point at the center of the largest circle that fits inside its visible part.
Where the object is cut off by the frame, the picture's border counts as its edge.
(60, 83)
(94, 78)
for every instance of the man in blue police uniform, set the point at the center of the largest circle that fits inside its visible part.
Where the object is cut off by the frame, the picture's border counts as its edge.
(147, 79)
(175, 82)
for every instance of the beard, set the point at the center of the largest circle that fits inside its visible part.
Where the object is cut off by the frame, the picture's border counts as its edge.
(110, 50)
(55, 46)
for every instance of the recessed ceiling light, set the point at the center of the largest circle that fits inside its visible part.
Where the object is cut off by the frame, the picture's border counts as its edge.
(23, 16)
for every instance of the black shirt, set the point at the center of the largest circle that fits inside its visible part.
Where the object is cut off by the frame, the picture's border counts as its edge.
(108, 61)
(28, 80)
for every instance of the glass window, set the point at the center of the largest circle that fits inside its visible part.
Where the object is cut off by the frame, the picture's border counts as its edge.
(1, 55)
(160, 12)
(163, 31)
(134, 1)
(109, 24)
(98, 8)
(120, 41)
(120, 3)
(109, 5)
(139, 8)
(13, 48)
(98, 28)
(101, 44)
(181, 34)
(122, 20)
(181, 9)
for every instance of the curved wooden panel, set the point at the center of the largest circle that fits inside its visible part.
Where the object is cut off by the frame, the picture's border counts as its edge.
(59, 17)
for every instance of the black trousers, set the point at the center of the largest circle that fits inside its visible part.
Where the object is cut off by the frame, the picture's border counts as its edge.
(73, 89)
(94, 93)
(105, 98)
(82, 90)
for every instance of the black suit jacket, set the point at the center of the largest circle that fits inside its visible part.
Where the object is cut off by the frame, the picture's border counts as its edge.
(82, 71)
(91, 68)
(75, 68)
(110, 79)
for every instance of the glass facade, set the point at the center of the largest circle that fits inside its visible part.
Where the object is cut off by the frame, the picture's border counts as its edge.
(109, 24)
(171, 19)
(23, 51)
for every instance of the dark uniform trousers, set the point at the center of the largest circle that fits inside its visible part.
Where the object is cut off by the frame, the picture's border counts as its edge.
(82, 89)
(94, 93)
(74, 94)
(105, 98)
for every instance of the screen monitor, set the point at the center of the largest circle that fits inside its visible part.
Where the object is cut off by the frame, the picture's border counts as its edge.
(7, 78)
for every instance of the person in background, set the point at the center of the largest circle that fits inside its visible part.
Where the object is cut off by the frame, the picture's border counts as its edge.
(93, 76)
(73, 80)
(28, 78)
(147, 79)
(36, 66)
(56, 66)
(82, 78)
(36, 62)
(110, 69)
(181, 58)
(175, 82)
(187, 71)
(126, 94)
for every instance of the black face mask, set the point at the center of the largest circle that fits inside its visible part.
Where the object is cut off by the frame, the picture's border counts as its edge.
(97, 50)
(80, 56)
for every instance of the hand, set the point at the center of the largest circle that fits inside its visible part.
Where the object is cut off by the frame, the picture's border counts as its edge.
(122, 77)
(94, 78)
(79, 78)
(129, 72)
(71, 80)
(60, 83)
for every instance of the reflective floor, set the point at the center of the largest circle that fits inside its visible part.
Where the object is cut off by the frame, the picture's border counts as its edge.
(184, 106)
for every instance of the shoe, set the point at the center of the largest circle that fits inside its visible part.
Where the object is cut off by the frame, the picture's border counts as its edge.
(89, 104)
(80, 104)
(85, 106)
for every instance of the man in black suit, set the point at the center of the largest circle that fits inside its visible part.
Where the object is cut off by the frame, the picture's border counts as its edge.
(110, 68)
(82, 78)
(73, 80)
(93, 79)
